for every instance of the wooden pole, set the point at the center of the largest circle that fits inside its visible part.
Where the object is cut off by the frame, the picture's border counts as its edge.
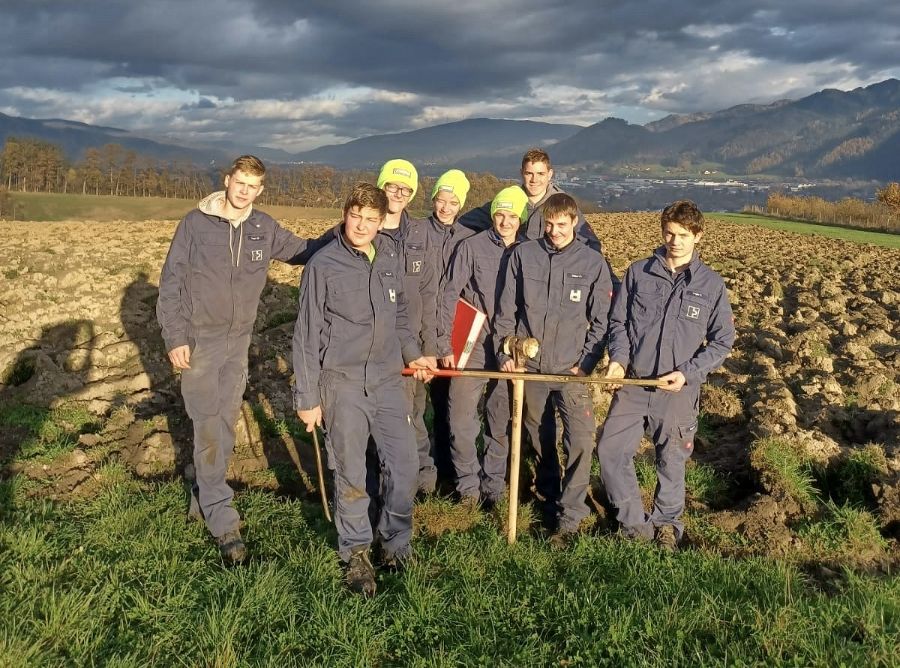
(321, 473)
(541, 377)
(515, 452)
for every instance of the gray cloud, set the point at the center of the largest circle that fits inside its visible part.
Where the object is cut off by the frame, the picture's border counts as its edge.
(299, 74)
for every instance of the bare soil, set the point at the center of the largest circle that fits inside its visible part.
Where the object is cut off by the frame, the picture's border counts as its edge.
(816, 362)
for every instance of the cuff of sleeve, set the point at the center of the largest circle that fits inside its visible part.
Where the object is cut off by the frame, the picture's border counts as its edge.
(410, 352)
(176, 341)
(623, 361)
(588, 364)
(303, 401)
(691, 376)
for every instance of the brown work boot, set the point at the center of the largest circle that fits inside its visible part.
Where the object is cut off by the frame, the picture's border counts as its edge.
(561, 539)
(665, 538)
(397, 563)
(360, 573)
(470, 504)
(232, 547)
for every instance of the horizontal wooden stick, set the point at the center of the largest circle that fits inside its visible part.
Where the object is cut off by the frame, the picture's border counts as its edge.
(541, 377)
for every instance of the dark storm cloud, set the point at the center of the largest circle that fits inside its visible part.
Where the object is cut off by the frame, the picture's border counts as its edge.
(655, 56)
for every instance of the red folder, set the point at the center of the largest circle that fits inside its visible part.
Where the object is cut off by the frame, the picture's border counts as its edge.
(467, 324)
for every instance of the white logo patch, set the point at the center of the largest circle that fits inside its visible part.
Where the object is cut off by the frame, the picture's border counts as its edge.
(402, 172)
(392, 294)
(417, 266)
(256, 255)
(692, 312)
(575, 295)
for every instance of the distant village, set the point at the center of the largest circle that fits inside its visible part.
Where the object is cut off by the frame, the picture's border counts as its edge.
(710, 189)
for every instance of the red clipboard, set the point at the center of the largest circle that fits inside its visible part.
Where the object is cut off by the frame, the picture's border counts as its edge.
(467, 324)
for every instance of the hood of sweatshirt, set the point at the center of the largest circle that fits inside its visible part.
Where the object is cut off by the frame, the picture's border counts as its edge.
(214, 205)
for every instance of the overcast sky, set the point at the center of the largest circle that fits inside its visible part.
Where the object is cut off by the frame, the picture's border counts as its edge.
(296, 74)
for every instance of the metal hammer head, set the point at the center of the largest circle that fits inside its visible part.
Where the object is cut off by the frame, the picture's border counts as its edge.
(521, 347)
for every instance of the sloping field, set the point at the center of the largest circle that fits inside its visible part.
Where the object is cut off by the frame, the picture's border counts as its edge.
(794, 493)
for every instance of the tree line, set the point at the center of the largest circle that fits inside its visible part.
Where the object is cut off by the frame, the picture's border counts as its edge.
(882, 215)
(34, 165)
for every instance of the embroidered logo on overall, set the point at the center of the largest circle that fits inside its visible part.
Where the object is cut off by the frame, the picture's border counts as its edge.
(256, 255)
(417, 266)
(692, 312)
(392, 294)
(575, 295)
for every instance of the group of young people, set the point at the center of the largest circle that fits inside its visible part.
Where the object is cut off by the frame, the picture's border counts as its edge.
(379, 292)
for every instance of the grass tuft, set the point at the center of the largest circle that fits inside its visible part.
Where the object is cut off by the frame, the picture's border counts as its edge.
(843, 534)
(782, 469)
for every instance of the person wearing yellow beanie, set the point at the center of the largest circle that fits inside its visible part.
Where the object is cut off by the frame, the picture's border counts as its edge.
(449, 195)
(399, 180)
(511, 200)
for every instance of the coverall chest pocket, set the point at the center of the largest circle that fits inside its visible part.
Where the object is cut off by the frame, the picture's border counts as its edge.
(487, 274)
(348, 296)
(390, 284)
(211, 251)
(534, 287)
(647, 302)
(694, 308)
(415, 258)
(575, 291)
(256, 251)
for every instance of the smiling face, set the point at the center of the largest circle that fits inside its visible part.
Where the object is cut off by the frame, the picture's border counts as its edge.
(506, 225)
(241, 189)
(680, 243)
(446, 207)
(398, 196)
(560, 229)
(361, 224)
(536, 178)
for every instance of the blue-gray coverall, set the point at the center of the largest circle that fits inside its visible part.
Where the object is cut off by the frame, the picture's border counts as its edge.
(421, 278)
(350, 342)
(561, 298)
(476, 274)
(442, 240)
(209, 292)
(660, 322)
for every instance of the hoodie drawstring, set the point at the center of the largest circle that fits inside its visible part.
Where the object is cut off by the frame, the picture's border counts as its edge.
(240, 243)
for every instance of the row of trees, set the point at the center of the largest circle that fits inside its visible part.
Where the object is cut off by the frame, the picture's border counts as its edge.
(33, 165)
(882, 215)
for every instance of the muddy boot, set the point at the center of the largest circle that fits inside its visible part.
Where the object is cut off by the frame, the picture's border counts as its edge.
(397, 563)
(561, 539)
(665, 538)
(360, 573)
(232, 547)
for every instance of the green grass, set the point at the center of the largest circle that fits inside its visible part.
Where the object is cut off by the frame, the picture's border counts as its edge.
(843, 532)
(121, 579)
(782, 468)
(103, 208)
(47, 433)
(834, 232)
(849, 479)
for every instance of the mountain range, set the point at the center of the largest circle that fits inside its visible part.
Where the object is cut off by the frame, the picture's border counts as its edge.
(832, 133)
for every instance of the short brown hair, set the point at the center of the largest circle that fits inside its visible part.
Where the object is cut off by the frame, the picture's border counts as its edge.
(249, 164)
(560, 204)
(685, 213)
(536, 155)
(367, 195)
